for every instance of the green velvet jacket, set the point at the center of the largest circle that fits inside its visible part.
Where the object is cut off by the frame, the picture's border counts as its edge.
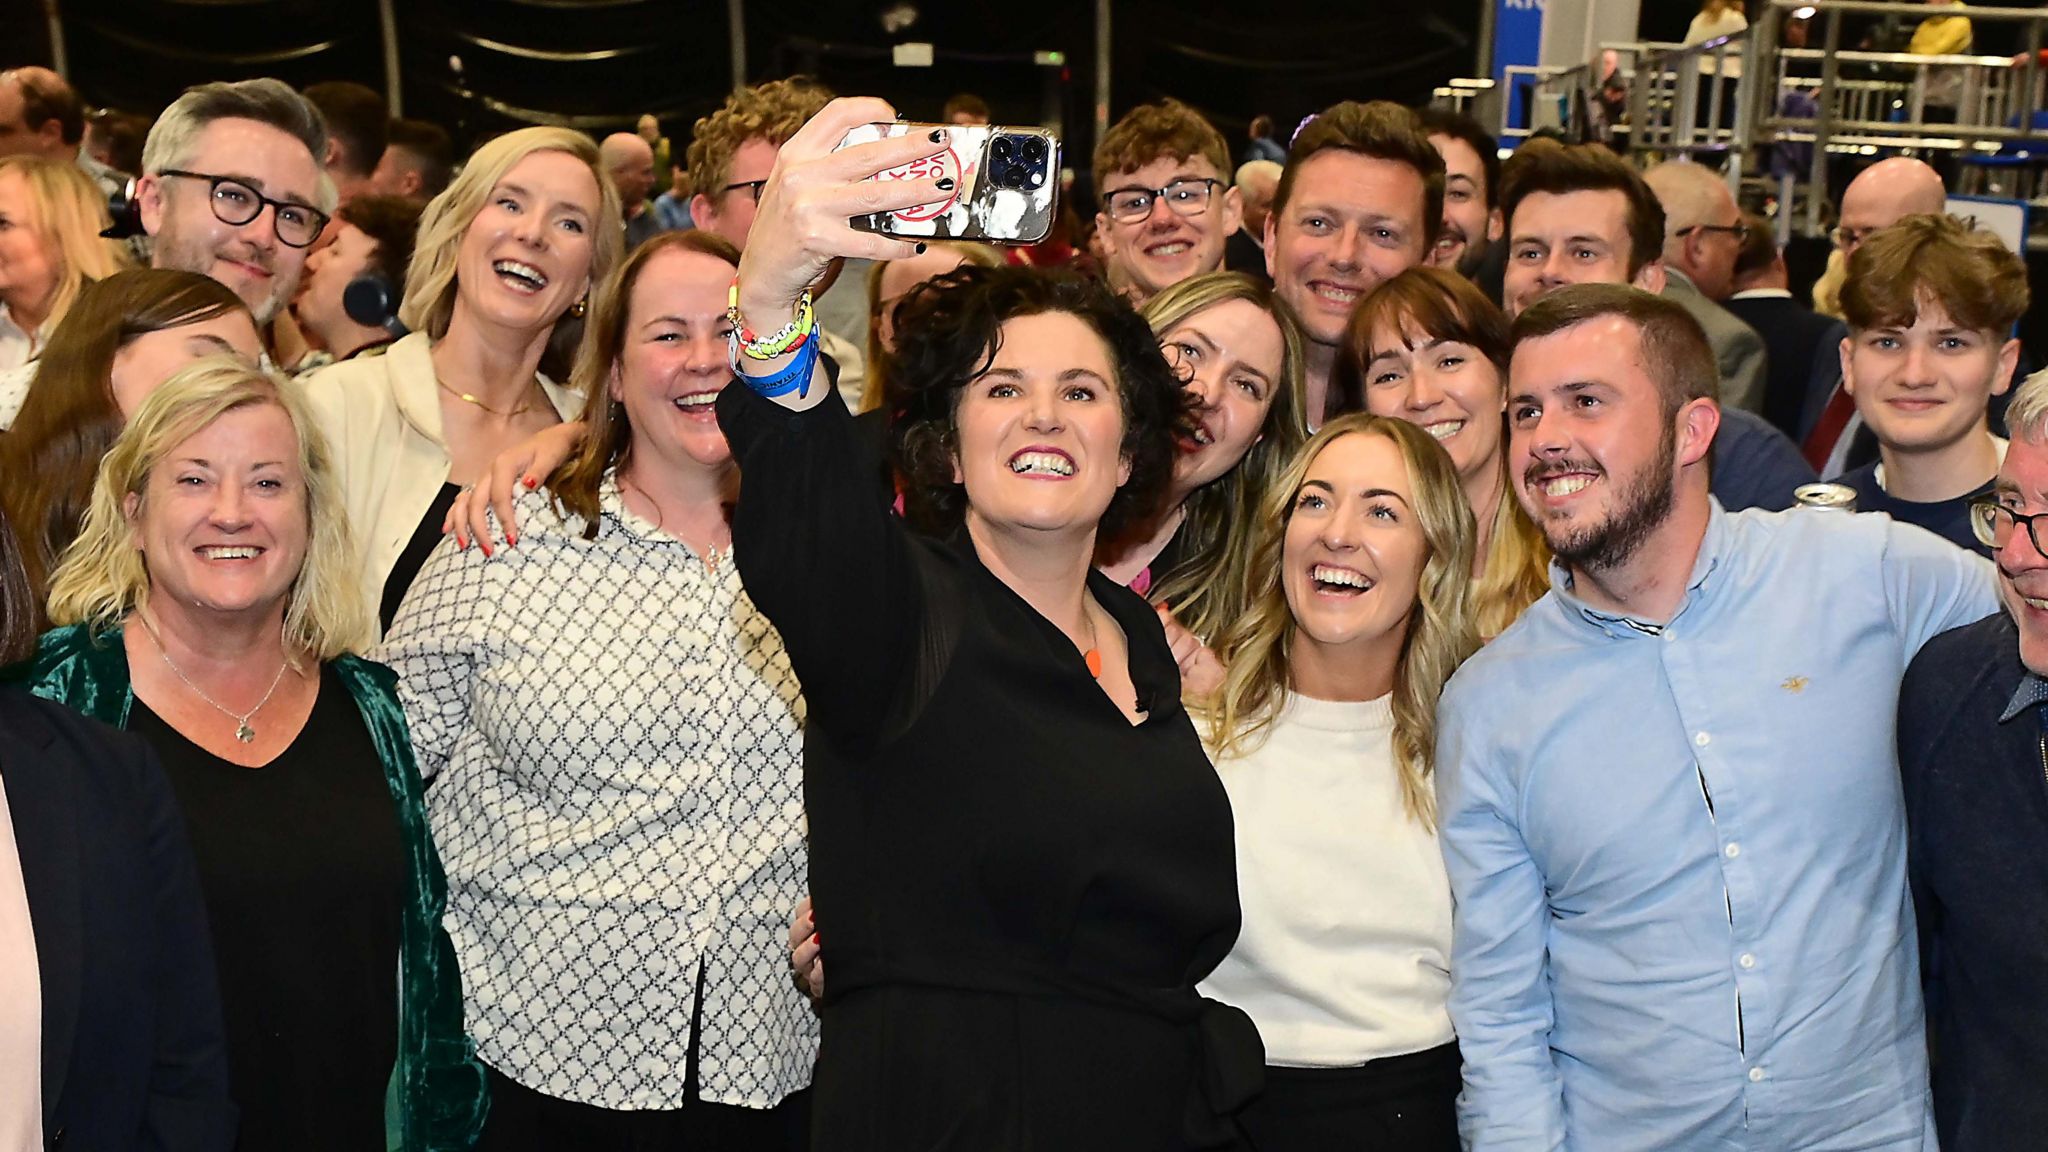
(438, 1096)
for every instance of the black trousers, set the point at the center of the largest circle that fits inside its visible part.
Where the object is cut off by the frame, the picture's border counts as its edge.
(1398, 1104)
(523, 1120)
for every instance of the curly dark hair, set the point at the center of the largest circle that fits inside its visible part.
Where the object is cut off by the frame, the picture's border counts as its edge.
(948, 331)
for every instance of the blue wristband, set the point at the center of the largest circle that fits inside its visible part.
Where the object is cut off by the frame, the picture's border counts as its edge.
(795, 378)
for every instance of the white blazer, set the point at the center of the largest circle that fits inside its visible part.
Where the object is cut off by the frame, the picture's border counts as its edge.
(382, 419)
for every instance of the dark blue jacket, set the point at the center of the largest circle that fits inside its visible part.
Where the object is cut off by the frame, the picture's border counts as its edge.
(133, 1051)
(1977, 809)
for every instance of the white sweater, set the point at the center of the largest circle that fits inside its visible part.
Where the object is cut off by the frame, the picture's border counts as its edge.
(1344, 956)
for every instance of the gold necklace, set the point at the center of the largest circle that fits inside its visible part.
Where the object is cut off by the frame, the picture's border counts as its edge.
(519, 411)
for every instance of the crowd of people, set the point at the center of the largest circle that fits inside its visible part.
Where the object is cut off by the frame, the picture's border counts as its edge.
(1326, 650)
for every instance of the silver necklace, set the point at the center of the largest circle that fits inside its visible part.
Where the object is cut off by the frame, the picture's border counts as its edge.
(243, 731)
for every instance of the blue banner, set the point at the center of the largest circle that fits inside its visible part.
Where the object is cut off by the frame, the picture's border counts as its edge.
(1517, 40)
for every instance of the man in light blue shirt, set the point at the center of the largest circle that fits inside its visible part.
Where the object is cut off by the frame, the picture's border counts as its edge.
(1669, 795)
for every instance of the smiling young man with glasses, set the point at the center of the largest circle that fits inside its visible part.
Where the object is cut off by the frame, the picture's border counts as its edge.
(1168, 206)
(232, 188)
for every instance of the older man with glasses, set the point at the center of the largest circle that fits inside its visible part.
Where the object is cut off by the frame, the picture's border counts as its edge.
(1702, 235)
(1168, 208)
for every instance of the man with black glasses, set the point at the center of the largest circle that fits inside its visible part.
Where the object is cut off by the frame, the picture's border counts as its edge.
(733, 150)
(232, 188)
(1973, 750)
(1168, 207)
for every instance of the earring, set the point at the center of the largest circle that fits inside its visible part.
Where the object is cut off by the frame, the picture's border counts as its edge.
(579, 308)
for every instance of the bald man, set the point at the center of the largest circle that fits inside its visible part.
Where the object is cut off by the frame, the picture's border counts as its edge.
(1879, 197)
(1702, 234)
(630, 160)
(1245, 251)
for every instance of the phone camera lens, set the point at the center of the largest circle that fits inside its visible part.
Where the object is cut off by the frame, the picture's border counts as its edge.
(1003, 148)
(1034, 148)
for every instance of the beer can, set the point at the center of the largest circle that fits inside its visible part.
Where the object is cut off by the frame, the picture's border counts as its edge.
(1831, 497)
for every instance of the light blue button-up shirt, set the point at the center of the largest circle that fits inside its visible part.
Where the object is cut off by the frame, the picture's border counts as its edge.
(1678, 851)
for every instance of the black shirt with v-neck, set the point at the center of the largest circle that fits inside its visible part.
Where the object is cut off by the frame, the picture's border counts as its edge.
(1016, 887)
(301, 864)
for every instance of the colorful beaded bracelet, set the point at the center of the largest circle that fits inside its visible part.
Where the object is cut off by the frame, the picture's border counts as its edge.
(796, 377)
(747, 343)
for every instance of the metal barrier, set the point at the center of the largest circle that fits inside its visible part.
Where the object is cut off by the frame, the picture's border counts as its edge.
(1753, 99)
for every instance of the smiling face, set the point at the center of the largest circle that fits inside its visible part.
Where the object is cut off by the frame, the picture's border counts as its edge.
(525, 258)
(1228, 357)
(1468, 223)
(2022, 568)
(1040, 434)
(148, 360)
(1570, 238)
(177, 212)
(673, 365)
(1153, 253)
(1924, 387)
(1591, 450)
(29, 263)
(222, 522)
(1354, 550)
(1447, 388)
(1351, 222)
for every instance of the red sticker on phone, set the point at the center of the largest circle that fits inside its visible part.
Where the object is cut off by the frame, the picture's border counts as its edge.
(945, 164)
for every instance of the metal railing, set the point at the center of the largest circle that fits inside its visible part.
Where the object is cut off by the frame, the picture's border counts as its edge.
(1781, 112)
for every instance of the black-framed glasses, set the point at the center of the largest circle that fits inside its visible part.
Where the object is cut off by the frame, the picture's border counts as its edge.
(1992, 523)
(1736, 230)
(235, 203)
(753, 188)
(1189, 197)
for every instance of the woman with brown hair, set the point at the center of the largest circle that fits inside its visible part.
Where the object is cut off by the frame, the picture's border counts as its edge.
(615, 735)
(124, 336)
(1431, 349)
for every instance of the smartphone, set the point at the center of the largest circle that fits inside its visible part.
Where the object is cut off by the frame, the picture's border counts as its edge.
(1005, 184)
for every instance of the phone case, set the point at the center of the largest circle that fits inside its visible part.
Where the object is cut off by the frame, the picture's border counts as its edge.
(993, 199)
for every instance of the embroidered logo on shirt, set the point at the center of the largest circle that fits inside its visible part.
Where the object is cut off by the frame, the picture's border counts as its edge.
(1794, 684)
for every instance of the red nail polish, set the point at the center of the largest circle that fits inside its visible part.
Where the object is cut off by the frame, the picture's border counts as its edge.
(817, 939)
(487, 549)
(460, 543)
(533, 481)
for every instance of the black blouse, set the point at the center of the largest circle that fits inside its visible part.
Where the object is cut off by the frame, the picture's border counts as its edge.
(302, 869)
(1017, 889)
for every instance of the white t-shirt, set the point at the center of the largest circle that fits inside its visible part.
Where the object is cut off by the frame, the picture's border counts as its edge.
(1344, 955)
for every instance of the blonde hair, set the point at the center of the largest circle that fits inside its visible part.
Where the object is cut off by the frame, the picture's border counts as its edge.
(103, 576)
(430, 284)
(1208, 585)
(1258, 648)
(70, 215)
(773, 112)
(874, 389)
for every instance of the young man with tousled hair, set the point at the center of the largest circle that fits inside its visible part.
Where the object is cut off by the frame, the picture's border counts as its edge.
(1578, 214)
(1657, 943)
(1168, 205)
(1931, 306)
(1360, 202)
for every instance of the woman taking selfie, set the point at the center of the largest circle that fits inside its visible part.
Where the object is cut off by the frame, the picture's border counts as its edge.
(1023, 856)
(1324, 734)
